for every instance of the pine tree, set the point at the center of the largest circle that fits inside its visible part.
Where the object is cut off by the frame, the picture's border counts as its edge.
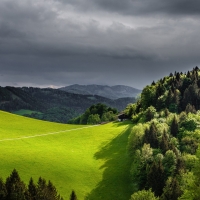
(32, 190)
(3, 191)
(15, 187)
(156, 178)
(73, 196)
(169, 98)
(174, 127)
(42, 193)
(172, 190)
(146, 136)
(180, 166)
(160, 89)
(177, 76)
(153, 136)
(150, 136)
(52, 192)
(188, 74)
(175, 73)
(164, 144)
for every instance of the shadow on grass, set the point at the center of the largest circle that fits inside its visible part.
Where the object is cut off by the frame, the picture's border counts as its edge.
(115, 183)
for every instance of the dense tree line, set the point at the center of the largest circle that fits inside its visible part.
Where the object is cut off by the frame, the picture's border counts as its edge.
(96, 114)
(15, 189)
(164, 151)
(177, 92)
(163, 144)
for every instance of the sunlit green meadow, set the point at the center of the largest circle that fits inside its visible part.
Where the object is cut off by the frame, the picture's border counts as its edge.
(91, 160)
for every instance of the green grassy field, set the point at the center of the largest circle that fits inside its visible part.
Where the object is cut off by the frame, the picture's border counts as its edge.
(90, 160)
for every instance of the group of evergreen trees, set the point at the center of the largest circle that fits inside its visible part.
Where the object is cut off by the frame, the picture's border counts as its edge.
(15, 189)
(174, 92)
(96, 114)
(164, 142)
(157, 158)
(163, 152)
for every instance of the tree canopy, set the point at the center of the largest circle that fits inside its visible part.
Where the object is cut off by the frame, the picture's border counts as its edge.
(163, 144)
(96, 114)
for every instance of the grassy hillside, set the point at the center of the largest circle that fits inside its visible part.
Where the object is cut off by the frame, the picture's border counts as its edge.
(90, 160)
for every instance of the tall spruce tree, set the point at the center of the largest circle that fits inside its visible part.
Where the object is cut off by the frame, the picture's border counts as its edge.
(174, 127)
(41, 189)
(15, 187)
(151, 136)
(156, 178)
(3, 191)
(32, 190)
(52, 192)
(164, 143)
(172, 189)
(73, 196)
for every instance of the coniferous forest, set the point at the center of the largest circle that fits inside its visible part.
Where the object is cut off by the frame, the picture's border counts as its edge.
(15, 188)
(163, 144)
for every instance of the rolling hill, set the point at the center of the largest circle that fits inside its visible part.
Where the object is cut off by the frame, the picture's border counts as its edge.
(111, 92)
(52, 104)
(92, 160)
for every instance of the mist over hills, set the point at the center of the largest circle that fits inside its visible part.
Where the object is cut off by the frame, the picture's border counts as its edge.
(111, 92)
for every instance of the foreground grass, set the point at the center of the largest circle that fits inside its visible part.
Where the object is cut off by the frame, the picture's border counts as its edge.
(92, 161)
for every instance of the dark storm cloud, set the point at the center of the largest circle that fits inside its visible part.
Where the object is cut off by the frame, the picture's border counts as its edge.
(57, 42)
(138, 7)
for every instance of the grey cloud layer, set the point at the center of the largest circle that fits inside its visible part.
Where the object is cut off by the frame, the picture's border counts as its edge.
(138, 7)
(66, 42)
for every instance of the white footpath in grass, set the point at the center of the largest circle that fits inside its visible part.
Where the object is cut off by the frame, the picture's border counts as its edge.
(46, 134)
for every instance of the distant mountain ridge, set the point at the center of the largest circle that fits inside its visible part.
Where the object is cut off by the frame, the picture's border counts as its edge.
(53, 104)
(111, 92)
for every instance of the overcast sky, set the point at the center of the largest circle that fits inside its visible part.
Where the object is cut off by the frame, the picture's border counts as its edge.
(130, 42)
